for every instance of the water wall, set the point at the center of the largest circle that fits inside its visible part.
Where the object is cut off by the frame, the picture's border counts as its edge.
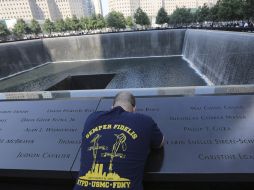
(223, 57)
(18, 56)
(116, 45)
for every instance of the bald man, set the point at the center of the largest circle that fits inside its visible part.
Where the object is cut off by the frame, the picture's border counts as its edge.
(115, 146)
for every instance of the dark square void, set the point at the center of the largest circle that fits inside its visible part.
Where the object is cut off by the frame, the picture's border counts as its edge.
(82, 82)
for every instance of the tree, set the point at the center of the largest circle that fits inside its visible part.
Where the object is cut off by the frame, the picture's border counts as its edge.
(84, 23)
(181, 16)
(162, 17)
(213, 13)
(129, 22)
(141, 17)
(202, 13)
(60, 26)
(75, 25)
(230, 10)
(4, 32)
(115, 20)
(100, 21)
(48, 26)
(68, 23)
(20, 28)
(248, 9)
(72, 23)
(35, 27)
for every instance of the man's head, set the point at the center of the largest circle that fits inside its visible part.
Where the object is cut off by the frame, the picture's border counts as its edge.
(126, 100)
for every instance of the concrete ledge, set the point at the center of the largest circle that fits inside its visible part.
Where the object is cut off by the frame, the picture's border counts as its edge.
(139, 92)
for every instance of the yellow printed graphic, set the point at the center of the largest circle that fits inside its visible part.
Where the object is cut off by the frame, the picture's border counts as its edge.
(95, 148)
(96, 177)
(120, 140)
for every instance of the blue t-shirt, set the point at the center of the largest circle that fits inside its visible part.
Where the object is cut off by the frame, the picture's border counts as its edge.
(115, 146)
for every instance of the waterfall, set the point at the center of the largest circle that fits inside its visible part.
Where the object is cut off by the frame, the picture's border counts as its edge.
(223, 57)
(117, 45)
(19, 56)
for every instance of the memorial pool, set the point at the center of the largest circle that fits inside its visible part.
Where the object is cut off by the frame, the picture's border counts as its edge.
(159, 58)
(128, 73)
(185, 60)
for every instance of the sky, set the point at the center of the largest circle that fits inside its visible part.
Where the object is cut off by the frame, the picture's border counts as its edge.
(104, 6)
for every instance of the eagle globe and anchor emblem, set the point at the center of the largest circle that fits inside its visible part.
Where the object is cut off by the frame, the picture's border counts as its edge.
(96, 177)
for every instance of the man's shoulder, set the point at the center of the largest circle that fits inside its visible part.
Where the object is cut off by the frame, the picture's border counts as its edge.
(141, 117)
(95, 115)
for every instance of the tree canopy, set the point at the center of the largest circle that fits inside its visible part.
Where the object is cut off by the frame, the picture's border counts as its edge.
(223, 10)
(202, 14)
(181, 16)
(4, 32)
(35, 27)
(72, 23)
(48, 26)
(141, 17)
(116, 20)
(99, 21)
(213, 13)
(230, 10)
(162, 16)
(60, 26)
(75, 25)
(248, 9)
(20, 28)
(129, 22)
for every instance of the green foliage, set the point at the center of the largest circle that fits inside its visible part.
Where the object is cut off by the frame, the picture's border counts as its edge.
(85, 23)
(60, 26)
(115, 20)
(162, 16)
(213, 13)
(248, 9)
(202, 14)
(20, 28)
(223, 10)
(95, 22)
(72, 23)
(181, 16)
(4, 32)
(141, 17)
(35, 27)
(129, 22)
(230, 10)
(48, 26)
(75, 23)
(68, 23)
(100, 22)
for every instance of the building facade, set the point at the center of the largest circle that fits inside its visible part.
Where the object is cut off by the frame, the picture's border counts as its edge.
(151, 7)
(41, 9)
(93, 7)
(97, 7)
(127, 7)
(171, 5)
(15, 9)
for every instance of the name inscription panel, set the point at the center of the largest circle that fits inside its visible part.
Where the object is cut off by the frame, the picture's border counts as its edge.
(204, 134)
(42, 135)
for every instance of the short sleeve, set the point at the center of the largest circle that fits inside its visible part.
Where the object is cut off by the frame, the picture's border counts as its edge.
(156, 136)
